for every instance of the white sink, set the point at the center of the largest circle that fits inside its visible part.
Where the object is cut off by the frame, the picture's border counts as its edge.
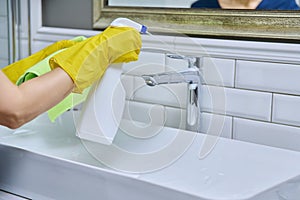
(163, 166)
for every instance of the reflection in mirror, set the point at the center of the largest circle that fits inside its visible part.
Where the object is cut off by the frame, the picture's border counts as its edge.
(176, 16)
(152, 3)
(248, 4)
(215, 4)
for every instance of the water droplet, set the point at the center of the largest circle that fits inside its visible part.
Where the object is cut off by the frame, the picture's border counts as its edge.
(203, 169)
(207, 179)
(221, 174)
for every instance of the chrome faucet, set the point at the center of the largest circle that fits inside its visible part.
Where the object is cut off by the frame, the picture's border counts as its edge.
(193, 77)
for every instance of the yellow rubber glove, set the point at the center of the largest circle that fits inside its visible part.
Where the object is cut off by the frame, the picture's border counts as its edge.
(17, 69)
(87, 61)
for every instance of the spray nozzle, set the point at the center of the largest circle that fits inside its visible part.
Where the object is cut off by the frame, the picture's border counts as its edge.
(121, 22)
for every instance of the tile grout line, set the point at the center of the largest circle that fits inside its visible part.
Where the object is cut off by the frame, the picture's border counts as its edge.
(234, 86)
(234, 75)
(272, 106)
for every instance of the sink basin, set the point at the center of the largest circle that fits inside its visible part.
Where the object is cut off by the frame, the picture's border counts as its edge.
(47, 161)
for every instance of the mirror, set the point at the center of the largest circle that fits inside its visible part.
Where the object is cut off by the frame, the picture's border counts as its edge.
(266, 25)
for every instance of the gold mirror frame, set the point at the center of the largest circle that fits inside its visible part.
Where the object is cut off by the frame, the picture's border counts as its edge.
(244, 24)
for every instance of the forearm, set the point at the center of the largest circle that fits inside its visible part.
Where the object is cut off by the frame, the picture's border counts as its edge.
(19, 105)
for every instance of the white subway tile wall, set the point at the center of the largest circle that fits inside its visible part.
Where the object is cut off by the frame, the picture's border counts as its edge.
(3, 63)
(272, 77)
(148, 63)
(38, 45)
(218, 71)
(225, 124)
(176, 64)
(257, 101)
(266, 133)
(145, 113)
(3, 8)
(3, 23)
(173, 95)
(4, 52)
(3, 34)
(240, 103)
(175, 117)
(286, 109)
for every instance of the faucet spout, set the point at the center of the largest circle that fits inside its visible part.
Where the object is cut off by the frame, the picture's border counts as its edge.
(190, 76)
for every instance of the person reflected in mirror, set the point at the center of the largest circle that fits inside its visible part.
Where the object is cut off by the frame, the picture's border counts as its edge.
(247, 4)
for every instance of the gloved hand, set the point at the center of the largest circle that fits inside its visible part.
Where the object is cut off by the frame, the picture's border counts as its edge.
(87, 61)
(17, 69)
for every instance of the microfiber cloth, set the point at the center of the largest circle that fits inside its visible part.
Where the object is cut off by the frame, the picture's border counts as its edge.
(43, 67)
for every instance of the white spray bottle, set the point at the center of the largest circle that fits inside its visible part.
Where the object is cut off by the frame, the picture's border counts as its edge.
(102, 112)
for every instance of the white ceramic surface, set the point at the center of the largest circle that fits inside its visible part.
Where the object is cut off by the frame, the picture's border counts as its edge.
(233, 169)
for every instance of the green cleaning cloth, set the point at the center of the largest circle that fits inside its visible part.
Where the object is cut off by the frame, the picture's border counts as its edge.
(43, 67)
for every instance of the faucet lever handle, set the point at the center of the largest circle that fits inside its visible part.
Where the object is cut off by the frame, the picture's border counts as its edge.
(191, 60)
